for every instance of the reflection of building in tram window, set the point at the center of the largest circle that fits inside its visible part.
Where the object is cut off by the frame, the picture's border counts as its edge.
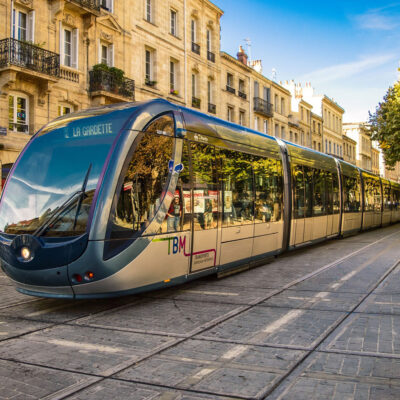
(174, 215)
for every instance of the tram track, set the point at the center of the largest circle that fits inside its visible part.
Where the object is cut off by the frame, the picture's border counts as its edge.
(182, 338)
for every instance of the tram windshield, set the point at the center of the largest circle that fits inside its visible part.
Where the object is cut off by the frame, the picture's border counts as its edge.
(51, 189)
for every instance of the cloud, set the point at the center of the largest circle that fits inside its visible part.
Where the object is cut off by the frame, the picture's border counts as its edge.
(382, 18)
(346, 70)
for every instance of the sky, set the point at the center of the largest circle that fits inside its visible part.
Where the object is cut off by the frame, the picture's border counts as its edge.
(348, 50)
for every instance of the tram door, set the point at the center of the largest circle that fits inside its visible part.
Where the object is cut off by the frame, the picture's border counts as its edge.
(205, 199)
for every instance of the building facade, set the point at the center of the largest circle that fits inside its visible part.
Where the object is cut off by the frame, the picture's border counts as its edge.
(359, 132)
(61, 56)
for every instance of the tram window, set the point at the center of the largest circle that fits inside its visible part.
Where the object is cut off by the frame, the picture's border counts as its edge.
(351, 194)
(336, 196)
(238, 201)
(386, 199)
(143, 186)
(328, 193)
(298, 185)
(377, 195)
(205, 186)
(163, 125)
(319, 193)
(308, 191)
(369, 194)
(268, 189)
(183, 192)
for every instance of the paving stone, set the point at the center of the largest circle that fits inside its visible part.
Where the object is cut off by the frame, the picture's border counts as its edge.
(82, 349)
(119, 390)
(328, 301)
(381, 304)
(222, 368)
(161, 315)
(391, 285)
(58, 311)
(12, 327)
(26, 382)
(276, 326)
(212, 292)
(371, 333)
(10, 296)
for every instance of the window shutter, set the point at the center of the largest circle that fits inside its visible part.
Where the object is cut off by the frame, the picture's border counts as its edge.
(110, 55)
(31, 27)
(61, 44)
(75, 48)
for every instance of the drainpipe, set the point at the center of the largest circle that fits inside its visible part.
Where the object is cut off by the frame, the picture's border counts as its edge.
(185, 52)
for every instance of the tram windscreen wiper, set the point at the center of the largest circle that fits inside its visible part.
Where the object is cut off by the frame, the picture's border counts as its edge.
(65, 206)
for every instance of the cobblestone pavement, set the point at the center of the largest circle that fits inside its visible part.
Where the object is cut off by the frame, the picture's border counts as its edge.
(318, 323)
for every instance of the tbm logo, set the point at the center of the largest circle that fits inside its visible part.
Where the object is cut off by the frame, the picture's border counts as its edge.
(176, 245)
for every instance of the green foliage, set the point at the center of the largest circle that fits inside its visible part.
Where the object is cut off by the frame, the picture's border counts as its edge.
(385, 125)
(116, 72)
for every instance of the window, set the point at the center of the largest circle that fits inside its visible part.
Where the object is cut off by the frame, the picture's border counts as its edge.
(106, 54)
(194, 85)
(230, 114)
(209, 91)
(276, 130)
(242, 118)
(276, 103)
(319, 146)
(241, 85)
(144, 184)
(291, 136)
(330, 147)
(23, 26)
(351, 194)
(229, 80)
(319, 128)
(326, 145)
(314, 146)
(283, 134)
(268, 185)
(296, 137)
(209, 41)
(256, 123)
(301, 113)
(149, 70)
(283, 106)
(107, 5)
(18, 113)
(267, 94)
(174, 28)
(298, 192)
(265, 126)
(173, 81)
(69, 47)
(64, 110)
(193, 30)
(149, 10)
(256, 89)
(205, 187)
(238, 195)
(334, 148)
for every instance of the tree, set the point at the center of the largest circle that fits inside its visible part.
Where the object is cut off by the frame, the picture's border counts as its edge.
(385, 125)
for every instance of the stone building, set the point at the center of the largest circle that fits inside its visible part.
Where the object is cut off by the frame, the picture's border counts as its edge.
(349, 150)
(60, 56)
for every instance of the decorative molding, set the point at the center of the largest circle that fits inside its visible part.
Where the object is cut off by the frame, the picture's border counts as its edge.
(210, 24)
(196, 68)
(195, 13)
(25, 3)
(106, 36)
(69, 20)
(211, 77)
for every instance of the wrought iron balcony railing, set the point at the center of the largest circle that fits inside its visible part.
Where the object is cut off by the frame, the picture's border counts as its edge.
(262, 106)
(100, 80)
(242, 95)
(195, 48)
(27, 55)
(210, 56)
(212, 108)
(230, 89)
(90, 4)
(196, 102)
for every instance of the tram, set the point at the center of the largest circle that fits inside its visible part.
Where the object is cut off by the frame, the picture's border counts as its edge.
(138, 196)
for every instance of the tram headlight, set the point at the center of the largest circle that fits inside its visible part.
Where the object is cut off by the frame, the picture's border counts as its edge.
(26, 254)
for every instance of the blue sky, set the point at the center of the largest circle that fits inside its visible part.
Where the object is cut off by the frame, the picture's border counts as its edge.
(348, 50)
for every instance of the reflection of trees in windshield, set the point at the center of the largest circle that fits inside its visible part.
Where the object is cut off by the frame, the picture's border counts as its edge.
(144, 182)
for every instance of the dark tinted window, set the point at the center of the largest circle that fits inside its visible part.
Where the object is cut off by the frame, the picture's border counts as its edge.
(238, 200)
(298, 191)
(319, 198)
(268, 189)
(351, 194)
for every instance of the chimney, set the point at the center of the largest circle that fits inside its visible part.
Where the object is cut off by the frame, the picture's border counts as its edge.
(242, 56)
(257, 66)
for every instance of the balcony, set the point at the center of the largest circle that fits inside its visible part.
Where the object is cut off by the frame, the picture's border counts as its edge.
(105, 83)
(210, 56)
(196, 102)
(230, 89)
(196, 48)
(83, 6)
(263, 107)
(242, 95)
(69, 74)
(212, 108)
(25, 55)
